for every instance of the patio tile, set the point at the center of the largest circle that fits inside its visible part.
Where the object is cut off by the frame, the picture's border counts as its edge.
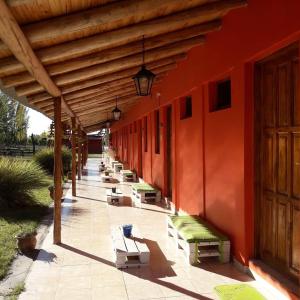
(143, 290)
(83, 266)
(110, 292)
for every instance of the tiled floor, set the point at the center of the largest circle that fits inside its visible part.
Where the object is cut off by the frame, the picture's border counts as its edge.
(82, 267)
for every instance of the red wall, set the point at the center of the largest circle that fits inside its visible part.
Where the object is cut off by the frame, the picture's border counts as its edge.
(213, 151)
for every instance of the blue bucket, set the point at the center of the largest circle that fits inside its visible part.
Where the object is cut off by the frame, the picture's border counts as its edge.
(127, 230)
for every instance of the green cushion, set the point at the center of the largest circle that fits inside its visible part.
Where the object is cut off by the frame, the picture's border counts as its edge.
(143, 187)
(238, 292)
(194, 229)
(127, 172)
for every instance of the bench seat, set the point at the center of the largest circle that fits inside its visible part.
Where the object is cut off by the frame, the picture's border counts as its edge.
(198, 238)
(144, 192)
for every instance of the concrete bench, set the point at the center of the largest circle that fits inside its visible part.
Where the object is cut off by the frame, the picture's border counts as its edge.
(114, 197)
(106, 178)
(198, 239)
(118, 167)
(129, 252)
(127, 176)
(144, 192)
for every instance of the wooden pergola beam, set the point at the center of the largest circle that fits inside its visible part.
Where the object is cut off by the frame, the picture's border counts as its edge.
(131, 97)
(19, 78)
(96, 101)
(13, 37)
(156, 67)
(111, 39)
(123, 63)
(84, 99)
(101, 19)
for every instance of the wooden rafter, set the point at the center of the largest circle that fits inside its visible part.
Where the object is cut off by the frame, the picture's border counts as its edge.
(9, 68)
(88, 53)
(156, 67)
(15, 39)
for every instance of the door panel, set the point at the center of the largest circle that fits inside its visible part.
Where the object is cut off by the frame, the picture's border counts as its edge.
(268, 96)
(278, 161)
(268, 237)
(296, 165)
(269, 162)
(295, 244)
(284, 92)
(282, 230)
(296, 94)
(283, 162)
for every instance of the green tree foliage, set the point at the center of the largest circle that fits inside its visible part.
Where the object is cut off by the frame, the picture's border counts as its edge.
(45, 158)
(13, 121)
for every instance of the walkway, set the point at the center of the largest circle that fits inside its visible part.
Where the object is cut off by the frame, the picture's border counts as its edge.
(82, 267)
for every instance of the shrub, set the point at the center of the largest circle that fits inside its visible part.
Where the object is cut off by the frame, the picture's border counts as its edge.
(18, 178)
(45, 158)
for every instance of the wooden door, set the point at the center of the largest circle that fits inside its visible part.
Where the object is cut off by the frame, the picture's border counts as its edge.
(278, 161)
(169, 150)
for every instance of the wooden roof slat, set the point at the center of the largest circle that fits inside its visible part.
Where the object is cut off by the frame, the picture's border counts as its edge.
(154, 67)
(10, 67)
(14, 38)
(30, 89)
(102, 88)
(98, 59)
(85, 100)
(22, 10)
(133, 33)
(106, 106)
(89, 57)
(126, 62)
(101, 19)
(99, 100)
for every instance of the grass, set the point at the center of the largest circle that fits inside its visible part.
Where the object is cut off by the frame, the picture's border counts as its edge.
(19, 220)
(16, 291)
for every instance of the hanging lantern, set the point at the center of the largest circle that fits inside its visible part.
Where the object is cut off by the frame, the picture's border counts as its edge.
(116, 112)
(143, 80)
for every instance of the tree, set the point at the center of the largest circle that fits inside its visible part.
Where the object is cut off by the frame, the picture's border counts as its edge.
(21, 124)
(13, 121)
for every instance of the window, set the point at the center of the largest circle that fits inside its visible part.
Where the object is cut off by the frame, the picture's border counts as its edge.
(220, 95)
(186, 107)
(157, 132)
(145, 134)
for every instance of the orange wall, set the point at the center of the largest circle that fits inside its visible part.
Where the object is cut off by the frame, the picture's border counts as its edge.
(213, 152)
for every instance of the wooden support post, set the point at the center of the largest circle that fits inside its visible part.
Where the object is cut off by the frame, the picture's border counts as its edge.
(73, 138)
(57, 171)
(79, 155)
(86, 150)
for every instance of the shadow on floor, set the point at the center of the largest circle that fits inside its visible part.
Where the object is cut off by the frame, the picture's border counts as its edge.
(86, 254)
(92, 199)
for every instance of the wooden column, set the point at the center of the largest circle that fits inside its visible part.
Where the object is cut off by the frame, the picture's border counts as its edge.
(73, 140)
(57, 171)
(79, 154)
(86, 150)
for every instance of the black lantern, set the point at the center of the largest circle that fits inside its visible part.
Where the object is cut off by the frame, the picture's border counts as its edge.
(116, 112)
(143, 80)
